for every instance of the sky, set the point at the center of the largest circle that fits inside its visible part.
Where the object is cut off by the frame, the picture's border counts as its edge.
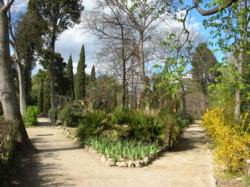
(71, 40)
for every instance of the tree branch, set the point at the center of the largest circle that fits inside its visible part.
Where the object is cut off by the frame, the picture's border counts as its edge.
(213, 10)
(7, 6)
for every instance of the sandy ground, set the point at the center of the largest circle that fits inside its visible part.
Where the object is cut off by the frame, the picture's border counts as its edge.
(61, 162)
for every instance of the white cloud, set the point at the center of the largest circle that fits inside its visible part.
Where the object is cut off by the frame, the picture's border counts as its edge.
(71, 41)
(19, 6)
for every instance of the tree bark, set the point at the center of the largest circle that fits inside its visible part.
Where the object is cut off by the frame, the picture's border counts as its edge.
(213, 10)
(242, 57)
(52, 76)
(184, 103)
(22, 94)
(8, 96)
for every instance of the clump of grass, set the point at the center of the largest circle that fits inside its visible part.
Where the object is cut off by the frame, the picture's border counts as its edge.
(122, 149)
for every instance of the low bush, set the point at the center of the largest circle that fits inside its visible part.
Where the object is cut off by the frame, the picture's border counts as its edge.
(53, 114)
(92, 125)
(30, 117)
(122, 149)
(125, 124)
(8, 135)
(70, 116)
(230, 139)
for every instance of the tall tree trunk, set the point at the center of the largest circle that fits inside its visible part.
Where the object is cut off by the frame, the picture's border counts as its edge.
(52, 75)
(184, 103)
(142, 62)
(242, 56)
(8, 96)
(204, 91)
(22, 94)
(238, 92)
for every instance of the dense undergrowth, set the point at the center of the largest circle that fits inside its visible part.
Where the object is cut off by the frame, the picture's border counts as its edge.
(8, 133)
(230, 139)
(130, 134)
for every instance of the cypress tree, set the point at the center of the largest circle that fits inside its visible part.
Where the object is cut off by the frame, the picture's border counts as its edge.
(80, 87)
(41, 97)
(92, 75)
(70, 78)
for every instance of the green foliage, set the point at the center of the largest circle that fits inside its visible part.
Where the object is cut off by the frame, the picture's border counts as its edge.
(65, 13)
(122, 149)
(53, 114)
(41, 97)
(30, 117)
(80, 83)
(203, 61)
(70, 78)
(70, 115)
(92, 75)
(59, 70)
(126, 124)
(92, 125)
(231, 139)
(8, 132)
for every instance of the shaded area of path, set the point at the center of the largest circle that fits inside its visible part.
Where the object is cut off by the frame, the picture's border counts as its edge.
(61, 162)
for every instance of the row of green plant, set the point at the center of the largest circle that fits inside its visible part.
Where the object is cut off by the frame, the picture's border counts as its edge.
(122, 149)
(70, 115)
(230, 139)
(162, 129)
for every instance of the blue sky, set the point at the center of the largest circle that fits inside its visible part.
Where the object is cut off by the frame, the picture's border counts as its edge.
(71, 40)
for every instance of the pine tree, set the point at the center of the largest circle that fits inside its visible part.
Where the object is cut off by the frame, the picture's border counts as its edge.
(80, 87)
(70, 78)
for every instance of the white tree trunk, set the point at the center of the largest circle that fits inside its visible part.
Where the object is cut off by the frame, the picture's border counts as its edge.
(22, 95)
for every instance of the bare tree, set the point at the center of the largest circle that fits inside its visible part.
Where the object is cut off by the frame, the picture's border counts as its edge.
(110, 24)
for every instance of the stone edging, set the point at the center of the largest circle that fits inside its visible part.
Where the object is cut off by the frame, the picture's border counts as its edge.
(109, 161)
(123, 163)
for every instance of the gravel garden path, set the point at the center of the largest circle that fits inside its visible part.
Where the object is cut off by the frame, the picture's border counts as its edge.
(61, 162)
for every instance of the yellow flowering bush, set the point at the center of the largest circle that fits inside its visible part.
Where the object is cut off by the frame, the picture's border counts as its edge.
(230, 138)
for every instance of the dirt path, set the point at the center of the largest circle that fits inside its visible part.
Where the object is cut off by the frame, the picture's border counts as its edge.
(61, 162)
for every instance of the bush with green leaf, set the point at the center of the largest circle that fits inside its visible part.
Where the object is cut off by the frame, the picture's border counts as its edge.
(92, 125)
(70, 116)
(30, 117)
(8, 134)
(53, 114)
(124, 124)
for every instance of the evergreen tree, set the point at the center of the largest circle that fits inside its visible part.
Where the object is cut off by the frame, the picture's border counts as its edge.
(92, 75)
(41, 97)
(80, 87)
(59, 16)
(70, 78)
(202, 62)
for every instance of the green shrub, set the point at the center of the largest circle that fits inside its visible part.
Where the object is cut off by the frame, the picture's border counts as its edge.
(92, 125)
(8, 134)
(121, 116)
(53, 114)
(30, 117)
(125, 124)
(70, 116)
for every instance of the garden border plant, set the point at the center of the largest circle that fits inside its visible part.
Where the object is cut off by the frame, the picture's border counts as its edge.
(106, 133)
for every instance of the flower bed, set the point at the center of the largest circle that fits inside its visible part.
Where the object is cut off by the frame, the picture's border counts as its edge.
(122, 153)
